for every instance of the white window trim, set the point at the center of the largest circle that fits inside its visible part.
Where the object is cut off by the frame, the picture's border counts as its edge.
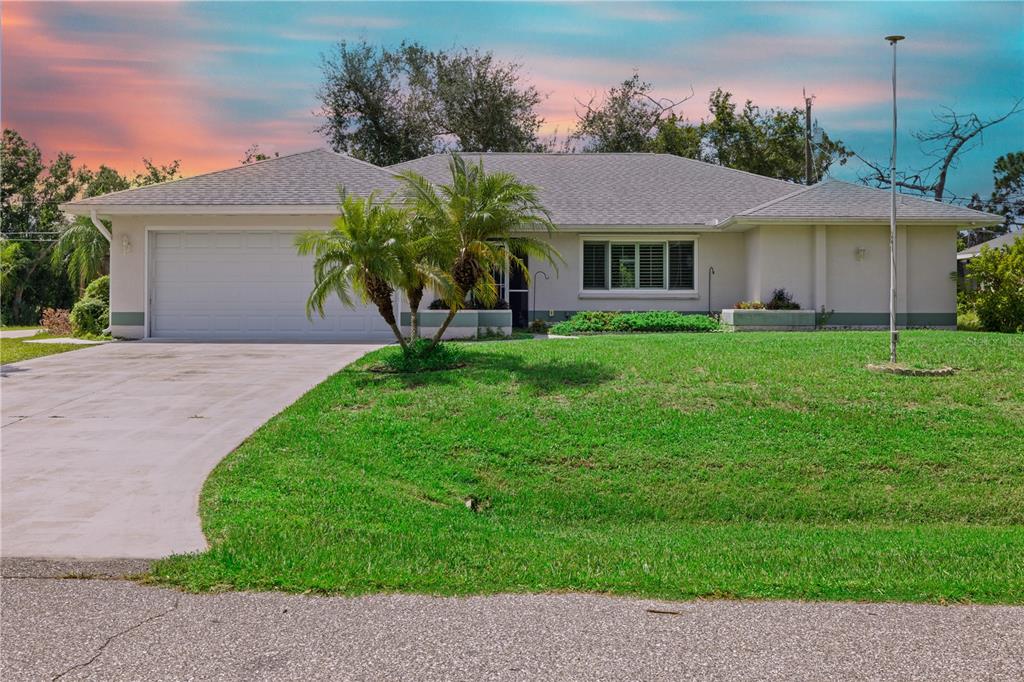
(661, 293)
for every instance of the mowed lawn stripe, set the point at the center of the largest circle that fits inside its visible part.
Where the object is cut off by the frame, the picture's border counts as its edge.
(671, 465)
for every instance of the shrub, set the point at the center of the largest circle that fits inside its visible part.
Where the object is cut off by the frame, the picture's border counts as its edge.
(781, 300)
(420, 357)
(649, 321)
(968, 321)
(89, 317)
(57, 321)
(437, 304)
(538, 327)
(749, 305)
(998, 275)
(586, 321)
(99, 289)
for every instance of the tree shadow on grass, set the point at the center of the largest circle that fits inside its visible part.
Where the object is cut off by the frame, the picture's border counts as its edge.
(544, 376)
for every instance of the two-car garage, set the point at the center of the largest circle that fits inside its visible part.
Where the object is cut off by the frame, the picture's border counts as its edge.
(243, 285)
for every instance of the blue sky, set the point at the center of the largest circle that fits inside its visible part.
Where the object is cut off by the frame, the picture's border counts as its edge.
(114, 82)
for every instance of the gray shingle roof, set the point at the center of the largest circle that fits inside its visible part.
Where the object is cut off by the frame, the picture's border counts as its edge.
(623, 189)
(997, 243)
(837, 199)
(578, 189)
(305, 178)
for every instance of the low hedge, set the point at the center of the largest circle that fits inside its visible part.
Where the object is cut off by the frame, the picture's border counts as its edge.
(598, 321)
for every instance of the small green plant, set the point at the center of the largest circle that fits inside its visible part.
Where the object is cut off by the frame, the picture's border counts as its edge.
(781, 300)
(589, 322)
(89, 317)
(967, 321)
(749, 305)
(538, 327)
(420, 355)
(99, 289)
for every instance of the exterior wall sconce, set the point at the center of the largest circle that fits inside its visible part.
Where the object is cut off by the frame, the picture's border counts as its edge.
(860, 252)
(126, 245)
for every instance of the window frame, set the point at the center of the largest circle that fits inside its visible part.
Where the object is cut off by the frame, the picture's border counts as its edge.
(636, 291)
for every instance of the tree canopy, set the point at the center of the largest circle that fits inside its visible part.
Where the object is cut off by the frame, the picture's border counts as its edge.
(765, 141)
(387, 105)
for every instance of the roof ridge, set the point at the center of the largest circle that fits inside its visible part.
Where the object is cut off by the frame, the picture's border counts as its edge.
(803, 189)
(734, 170)
(913, 197)
(202, 175)
(361, 161)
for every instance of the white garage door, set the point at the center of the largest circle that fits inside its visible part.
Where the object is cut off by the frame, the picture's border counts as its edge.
(244, 285)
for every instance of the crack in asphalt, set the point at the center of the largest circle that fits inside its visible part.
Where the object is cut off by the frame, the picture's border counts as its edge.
(116, 635)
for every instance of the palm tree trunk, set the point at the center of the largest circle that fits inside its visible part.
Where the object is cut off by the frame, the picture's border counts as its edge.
(380, 292)
(415, 296)
(444, 326)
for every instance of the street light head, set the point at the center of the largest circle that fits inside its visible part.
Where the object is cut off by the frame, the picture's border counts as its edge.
(895, 39)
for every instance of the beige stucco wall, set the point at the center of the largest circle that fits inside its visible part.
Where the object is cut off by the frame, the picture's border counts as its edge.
(781, 257)
(845, 269)
(723, 250)
(817, 264)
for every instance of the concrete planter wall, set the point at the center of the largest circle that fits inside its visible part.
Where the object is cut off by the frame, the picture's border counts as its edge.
(468, 324)
(737, 320)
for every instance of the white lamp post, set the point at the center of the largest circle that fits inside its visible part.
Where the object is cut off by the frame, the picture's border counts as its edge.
(893, 334)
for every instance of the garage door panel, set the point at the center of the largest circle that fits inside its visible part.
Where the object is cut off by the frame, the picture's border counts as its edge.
(244, 284)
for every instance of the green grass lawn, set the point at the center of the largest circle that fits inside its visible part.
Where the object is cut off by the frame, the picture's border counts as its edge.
(763, 465)
(15, 350)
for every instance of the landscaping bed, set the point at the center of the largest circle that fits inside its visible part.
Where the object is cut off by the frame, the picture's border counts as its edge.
(601, 321)
(768, 465)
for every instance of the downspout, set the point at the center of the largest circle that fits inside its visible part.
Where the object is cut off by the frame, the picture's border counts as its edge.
(98, 224)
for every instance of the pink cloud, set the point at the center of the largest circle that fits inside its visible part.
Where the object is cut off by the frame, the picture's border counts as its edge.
(121, 96)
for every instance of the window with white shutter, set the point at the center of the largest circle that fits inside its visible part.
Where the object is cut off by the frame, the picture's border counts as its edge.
(664, 265)
(595, 265)
(680, 265)
(623, 259)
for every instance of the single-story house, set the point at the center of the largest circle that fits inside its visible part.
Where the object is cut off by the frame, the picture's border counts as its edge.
(213, 257)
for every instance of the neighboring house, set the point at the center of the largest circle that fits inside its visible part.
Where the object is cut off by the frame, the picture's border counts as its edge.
(964, 257)
(213, 257)
(999, 242)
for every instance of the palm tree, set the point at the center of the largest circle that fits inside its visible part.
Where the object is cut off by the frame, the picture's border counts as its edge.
(422, 256)
(82, 251)
(361, 254)
(479, 221)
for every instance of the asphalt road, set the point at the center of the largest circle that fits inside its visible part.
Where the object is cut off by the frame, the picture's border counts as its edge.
(88, 629)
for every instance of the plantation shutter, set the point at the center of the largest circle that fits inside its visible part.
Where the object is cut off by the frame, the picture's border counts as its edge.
(595, 265)
(623, 258)
(680, 265)
(651, 266)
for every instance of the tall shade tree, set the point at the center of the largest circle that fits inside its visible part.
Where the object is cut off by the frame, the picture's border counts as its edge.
(771, 142)
(483, 221)
(1007, 199)
(387, 105)
(360, 256)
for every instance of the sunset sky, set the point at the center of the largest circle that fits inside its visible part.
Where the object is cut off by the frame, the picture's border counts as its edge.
(200, 82)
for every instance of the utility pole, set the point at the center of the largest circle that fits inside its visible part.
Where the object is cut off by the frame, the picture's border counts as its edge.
(893, 334)
(808, 155)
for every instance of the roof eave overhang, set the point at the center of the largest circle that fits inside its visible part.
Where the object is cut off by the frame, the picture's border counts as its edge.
(193, 209)
(741, 222)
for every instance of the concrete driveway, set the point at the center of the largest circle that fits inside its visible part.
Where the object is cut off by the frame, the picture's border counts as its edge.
(104, 450)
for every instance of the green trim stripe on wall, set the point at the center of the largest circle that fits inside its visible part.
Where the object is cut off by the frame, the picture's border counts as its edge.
(128, 319)
(882, 319)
